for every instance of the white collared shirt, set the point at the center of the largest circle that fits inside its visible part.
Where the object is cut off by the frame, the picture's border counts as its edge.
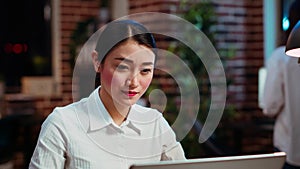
(83, 135)
(281, 100)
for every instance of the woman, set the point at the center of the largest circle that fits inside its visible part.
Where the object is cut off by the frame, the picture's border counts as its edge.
(107, 129)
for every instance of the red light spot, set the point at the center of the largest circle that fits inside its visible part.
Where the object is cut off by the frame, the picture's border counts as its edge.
(8, 48)
(18, 48)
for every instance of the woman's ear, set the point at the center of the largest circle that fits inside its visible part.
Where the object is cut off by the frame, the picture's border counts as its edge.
(96, 61)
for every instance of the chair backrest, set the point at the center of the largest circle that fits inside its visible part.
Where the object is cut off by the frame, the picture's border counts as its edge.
(7, 138)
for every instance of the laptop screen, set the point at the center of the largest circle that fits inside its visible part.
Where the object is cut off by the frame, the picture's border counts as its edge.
(260, 161)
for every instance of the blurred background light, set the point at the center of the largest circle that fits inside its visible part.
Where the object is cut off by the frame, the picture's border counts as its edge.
(285, 23)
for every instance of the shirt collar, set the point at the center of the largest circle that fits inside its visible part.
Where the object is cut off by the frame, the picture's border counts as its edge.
(100, 118)
(98, 115)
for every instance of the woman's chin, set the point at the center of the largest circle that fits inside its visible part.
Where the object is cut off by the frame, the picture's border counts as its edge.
(125, 102)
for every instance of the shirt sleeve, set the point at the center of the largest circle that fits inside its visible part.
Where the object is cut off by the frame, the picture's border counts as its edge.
(172, 149)
(51, 146)
(175, 153)
(273, 97)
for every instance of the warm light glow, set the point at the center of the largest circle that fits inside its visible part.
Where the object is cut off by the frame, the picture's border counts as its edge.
(293, 52)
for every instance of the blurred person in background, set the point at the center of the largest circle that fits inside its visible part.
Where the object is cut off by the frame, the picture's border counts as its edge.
(282, 95)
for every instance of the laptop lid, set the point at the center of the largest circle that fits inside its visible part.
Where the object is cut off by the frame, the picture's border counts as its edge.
(260, 161)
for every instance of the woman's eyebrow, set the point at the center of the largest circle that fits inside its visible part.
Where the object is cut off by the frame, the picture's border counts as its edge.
(131, 61)
(124, 60)
(147, 63)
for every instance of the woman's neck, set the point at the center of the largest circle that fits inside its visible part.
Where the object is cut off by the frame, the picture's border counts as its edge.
(117, 112)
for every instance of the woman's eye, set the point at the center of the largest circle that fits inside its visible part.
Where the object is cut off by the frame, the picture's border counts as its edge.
(146, 71)
(122, 67)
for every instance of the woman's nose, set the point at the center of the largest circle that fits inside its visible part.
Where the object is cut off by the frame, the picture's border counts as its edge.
(132, 81)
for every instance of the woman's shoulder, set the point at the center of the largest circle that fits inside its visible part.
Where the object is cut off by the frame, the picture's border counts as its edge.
(67, 113)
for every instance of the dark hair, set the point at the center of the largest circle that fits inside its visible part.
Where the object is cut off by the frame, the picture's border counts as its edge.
(119, 31)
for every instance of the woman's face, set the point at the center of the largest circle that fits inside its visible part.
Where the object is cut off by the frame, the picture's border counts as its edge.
(126, 73)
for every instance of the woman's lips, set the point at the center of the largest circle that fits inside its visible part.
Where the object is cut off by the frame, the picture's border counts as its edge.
(131, 93)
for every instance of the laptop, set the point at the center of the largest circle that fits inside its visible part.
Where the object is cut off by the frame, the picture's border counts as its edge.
(260, 161)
